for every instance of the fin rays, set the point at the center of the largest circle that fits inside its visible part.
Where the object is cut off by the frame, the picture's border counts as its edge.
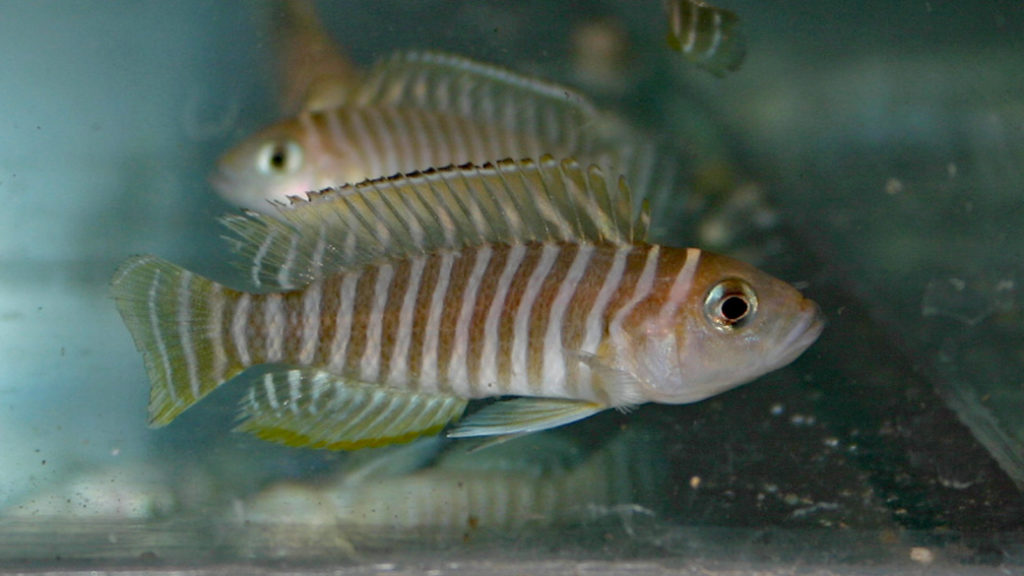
(437, 81)
(448, 208)
(524, 415)
(168, 312)
(315, 409)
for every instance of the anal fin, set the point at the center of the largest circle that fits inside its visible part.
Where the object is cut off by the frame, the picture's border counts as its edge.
(316, 409)
(524, 415)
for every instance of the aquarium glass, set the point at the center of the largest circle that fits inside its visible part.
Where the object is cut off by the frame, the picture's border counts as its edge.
(869, 153)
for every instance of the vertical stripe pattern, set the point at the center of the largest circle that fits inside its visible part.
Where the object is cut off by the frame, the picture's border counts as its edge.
(215, 332)
(519, 381)
(458, 364)
(489, 320)
(368, 142)
(240, 328)
(485, 321)
(370, 364)
(553, 369)
(705, 34)
(488, 375)
(274, 327)
(399, 368)
(311, 306)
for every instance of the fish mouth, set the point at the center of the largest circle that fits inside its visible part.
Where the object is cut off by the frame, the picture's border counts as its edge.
(221, 181)
(803, 332)
(230, 187)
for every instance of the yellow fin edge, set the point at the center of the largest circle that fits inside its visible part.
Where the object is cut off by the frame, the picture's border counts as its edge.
(298, 440)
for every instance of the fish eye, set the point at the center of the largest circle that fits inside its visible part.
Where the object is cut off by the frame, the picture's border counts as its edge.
(730, 304)
(279, 157)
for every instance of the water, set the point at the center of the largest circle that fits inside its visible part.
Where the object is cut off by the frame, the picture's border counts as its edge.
(879, 150)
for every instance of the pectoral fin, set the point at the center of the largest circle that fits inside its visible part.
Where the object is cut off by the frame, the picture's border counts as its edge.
(524, 415)
(622, 387)
(316, 409)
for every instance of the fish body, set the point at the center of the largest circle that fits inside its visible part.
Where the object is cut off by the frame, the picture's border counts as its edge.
(392, 304)
(706, 35)
(321, 149)
(415, 111)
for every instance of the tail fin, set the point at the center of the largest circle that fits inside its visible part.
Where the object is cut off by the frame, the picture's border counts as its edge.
(176, 320)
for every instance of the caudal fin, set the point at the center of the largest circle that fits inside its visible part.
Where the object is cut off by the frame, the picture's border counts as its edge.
(176, 320)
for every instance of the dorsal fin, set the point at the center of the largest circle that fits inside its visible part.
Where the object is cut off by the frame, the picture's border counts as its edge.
(491, 95)
(447, 208)
(314, 72)
(449, 83)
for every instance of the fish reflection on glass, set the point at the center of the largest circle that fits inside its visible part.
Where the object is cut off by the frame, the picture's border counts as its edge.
(415, 111)
(708, 36)
(540, 481)
(385, 307)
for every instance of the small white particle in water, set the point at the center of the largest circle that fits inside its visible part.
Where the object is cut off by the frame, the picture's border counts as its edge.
(831, 441)
(777, 409)
(695, 482)
(802, 420)
(921, 555)
(893, 186)
(951, 170)
(715, 232)
(115, 452)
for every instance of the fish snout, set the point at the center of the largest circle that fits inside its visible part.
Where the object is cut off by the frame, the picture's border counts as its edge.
(803, 331)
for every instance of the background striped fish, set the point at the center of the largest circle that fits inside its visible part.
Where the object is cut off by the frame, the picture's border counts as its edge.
(708, 36)
(389, 305)
(417, 110)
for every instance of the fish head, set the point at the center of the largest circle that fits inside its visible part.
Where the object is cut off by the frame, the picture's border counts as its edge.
(269, 166)
(732, 324)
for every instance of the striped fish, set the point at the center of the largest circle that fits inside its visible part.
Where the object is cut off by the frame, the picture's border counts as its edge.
(414, 111)
(385, 307)
(708, 36)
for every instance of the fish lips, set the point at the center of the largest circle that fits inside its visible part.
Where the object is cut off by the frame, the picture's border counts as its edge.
(803, 332)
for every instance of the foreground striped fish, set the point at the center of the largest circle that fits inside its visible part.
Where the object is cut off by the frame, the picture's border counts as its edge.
(709, 37)
(385, 307)
(418, 110)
